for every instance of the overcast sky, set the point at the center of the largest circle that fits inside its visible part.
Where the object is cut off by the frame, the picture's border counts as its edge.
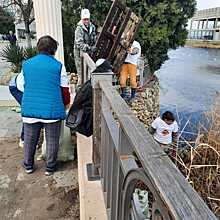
(204, 4)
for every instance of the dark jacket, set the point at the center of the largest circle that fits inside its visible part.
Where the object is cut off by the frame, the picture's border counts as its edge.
(85, 37)
(80, 116)
(12, 39)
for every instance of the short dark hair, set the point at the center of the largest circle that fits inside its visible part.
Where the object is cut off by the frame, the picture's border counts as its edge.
(168, 116)
(47, 45)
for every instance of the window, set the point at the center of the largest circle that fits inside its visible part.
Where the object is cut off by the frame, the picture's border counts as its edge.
(211, 24)
(192, 36)
(201, 24)
(195, 25)
(199, 34)
(218, 23)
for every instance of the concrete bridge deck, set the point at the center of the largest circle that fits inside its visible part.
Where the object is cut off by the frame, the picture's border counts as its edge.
(92, 206)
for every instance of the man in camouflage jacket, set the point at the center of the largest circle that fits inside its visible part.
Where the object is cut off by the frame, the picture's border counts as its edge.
(85, 38)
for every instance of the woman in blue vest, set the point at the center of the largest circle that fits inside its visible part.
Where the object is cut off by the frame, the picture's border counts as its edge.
(43, 102)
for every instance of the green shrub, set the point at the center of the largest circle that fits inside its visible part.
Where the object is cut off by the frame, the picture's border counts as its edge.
(15, 55)
(30, 52)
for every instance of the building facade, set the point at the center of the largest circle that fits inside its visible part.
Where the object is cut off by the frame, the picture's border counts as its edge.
(19, 24)
(205, 25)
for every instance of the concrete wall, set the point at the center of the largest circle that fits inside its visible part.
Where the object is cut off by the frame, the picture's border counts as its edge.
(203, 44)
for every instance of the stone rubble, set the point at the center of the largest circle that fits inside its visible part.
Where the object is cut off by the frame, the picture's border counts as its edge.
(146, 106)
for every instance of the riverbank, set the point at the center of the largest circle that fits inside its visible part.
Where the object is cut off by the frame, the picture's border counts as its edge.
(203, 44)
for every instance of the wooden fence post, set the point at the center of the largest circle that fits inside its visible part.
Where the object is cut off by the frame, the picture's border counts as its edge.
(93, 169)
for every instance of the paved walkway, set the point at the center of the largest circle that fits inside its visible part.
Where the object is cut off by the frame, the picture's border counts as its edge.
(36, 196)
(10, 127)
(91, 196)
(54, 197)
(5, 97)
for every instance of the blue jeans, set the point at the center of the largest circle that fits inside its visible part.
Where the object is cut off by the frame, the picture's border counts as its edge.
(18, 97)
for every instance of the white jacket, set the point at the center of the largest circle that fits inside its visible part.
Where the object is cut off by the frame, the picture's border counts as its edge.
(133, 59)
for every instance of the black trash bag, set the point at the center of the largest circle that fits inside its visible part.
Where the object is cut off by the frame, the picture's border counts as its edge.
(80, 116)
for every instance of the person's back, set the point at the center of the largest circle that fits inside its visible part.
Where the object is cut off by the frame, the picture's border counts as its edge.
(44, 98)
(135, 54)
(129, 69)
(45, 86)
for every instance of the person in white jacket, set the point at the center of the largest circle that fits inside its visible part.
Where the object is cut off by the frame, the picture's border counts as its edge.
(16, 89)
(129, 69)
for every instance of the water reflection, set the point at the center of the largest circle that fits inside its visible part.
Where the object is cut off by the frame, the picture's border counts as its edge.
(190, 79)
(189, 82)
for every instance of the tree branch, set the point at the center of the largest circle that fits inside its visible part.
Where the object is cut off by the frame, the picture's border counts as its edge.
(31, 20)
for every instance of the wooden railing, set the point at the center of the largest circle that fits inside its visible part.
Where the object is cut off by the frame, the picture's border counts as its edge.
(118, 136)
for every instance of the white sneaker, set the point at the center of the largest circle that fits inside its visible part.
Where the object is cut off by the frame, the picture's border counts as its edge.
(21, 144)
(29, 171)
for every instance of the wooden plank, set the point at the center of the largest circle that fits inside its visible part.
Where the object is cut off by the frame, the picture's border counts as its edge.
(100, 53)
(122, 27)
(106, 168)
(89, 62)
(182, 200)
(120, 181)
(110, 45)
(112, 127)
(97, 97)
(115, 187)
(102, 162)
(127, 163)
(110, 151)
(125, 43)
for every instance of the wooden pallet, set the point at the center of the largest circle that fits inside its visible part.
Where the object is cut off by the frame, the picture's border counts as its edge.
(117, 35)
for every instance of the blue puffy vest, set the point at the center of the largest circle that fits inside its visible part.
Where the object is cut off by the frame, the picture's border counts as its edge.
(42, 93)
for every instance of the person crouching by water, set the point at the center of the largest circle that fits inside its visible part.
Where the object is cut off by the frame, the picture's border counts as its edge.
(46, 92)
(165, 132)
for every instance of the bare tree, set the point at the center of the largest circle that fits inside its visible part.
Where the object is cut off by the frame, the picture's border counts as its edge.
(23, 13)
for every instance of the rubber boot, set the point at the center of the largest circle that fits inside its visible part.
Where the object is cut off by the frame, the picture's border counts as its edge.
(123, 92)
(133, 93)
(132, 97)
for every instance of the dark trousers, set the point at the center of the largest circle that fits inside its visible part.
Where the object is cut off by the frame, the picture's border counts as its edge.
(18, 97)
(31, 137)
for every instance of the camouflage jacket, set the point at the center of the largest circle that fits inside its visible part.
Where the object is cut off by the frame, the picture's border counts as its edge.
(85, 38)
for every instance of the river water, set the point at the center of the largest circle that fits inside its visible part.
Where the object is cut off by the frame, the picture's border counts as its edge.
(189, 81)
